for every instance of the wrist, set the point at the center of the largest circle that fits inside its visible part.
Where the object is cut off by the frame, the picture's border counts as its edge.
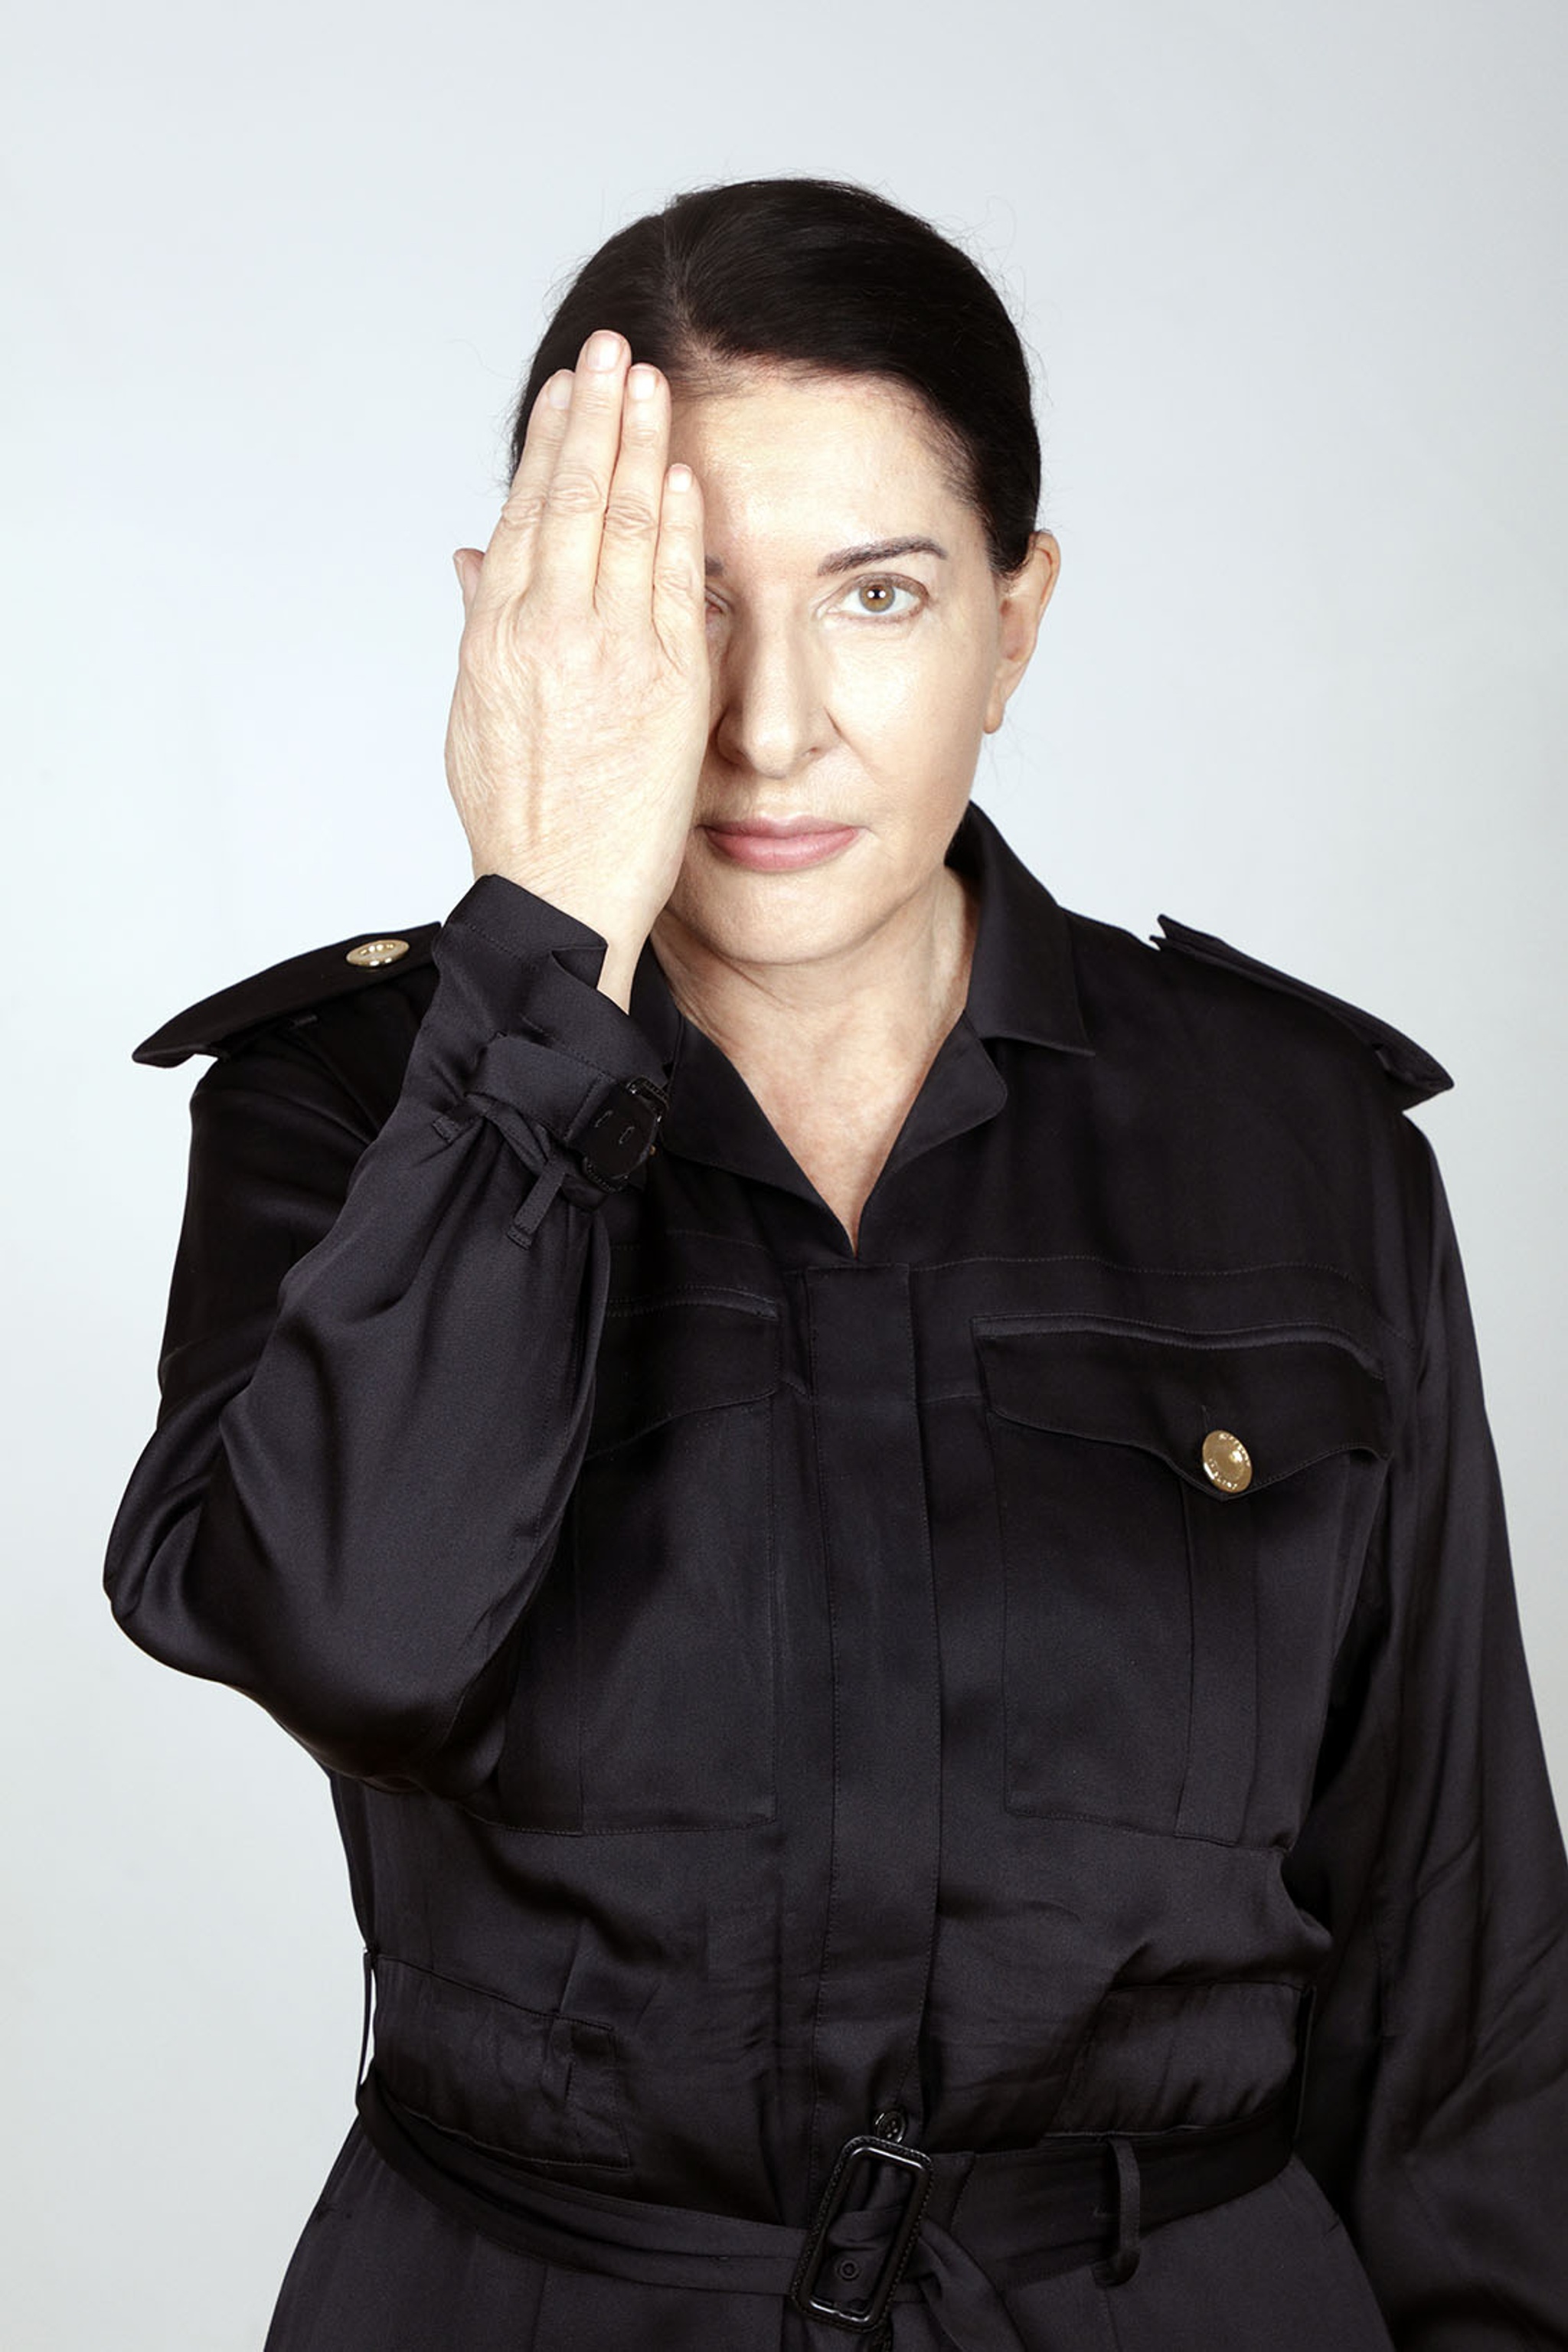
(619, 969)
(622, 928)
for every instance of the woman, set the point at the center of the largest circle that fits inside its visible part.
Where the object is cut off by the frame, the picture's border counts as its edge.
(875, 1496)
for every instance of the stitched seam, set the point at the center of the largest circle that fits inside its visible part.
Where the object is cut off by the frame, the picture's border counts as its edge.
(934, 1880)
(830, 1908)
(1182, 1273)
(702, 1294)
(1256, 1335)
(503, 2000)
(1138, 1829)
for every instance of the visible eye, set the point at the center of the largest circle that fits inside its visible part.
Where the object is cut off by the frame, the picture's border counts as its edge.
(876, 597)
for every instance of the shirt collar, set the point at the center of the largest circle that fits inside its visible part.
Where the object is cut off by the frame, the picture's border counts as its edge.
(1021, 984)
(1021, 981)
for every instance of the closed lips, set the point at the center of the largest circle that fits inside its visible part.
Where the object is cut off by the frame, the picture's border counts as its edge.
(781, 832)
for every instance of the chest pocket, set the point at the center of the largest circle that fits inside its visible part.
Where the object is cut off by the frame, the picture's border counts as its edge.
(645, 1693)
(1168, 1628)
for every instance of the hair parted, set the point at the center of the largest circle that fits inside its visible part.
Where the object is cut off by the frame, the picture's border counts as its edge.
(828, 277)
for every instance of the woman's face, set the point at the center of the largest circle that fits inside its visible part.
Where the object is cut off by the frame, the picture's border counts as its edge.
(850, 689)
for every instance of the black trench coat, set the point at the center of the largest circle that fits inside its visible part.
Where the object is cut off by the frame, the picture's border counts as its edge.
(961, 1691)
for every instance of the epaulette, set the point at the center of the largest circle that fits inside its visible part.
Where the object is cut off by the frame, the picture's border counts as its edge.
(1414, 1071)
(286, 991)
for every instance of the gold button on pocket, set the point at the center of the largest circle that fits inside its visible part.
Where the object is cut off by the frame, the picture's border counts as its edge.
(1227, 1465)
(377, 952)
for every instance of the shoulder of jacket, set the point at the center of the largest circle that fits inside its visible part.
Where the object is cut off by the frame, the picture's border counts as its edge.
(284, 992)
(1414, 1073)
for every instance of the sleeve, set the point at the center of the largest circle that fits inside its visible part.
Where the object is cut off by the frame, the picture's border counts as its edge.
(378, 1369)
(1436, 2108)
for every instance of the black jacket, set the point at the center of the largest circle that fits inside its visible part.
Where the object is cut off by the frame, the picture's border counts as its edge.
(985, 1676)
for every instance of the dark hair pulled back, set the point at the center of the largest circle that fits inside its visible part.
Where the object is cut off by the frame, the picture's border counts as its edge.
(830, 277)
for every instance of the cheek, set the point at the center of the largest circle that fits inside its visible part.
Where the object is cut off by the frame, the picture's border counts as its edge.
(928, 694)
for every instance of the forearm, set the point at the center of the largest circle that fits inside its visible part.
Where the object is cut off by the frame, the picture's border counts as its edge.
(1437, 2107)
(358, 1477)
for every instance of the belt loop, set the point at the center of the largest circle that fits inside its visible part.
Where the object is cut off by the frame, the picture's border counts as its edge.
(364, 2028)
(1119, 2267)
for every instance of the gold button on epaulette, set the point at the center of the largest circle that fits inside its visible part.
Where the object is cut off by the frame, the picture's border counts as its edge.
(375, 951)
(1227, 1462)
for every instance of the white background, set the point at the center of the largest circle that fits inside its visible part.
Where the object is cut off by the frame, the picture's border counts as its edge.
(1292, 277)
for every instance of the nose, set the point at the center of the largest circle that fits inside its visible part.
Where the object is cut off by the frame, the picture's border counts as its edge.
(770, 710)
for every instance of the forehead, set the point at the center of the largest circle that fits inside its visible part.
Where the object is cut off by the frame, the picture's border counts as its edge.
(786, 453)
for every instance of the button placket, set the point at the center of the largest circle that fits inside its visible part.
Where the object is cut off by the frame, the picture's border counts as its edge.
(887, 1703)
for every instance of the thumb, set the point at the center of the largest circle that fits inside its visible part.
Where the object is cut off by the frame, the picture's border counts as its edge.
(464, 563)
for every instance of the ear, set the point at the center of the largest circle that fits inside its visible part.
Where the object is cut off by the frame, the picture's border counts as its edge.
(467, 562)
(1020, 609)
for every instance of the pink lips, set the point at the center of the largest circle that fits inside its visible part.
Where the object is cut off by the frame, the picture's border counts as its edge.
(772, 848)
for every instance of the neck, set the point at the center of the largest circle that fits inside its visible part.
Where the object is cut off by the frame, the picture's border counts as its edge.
(877, 1009)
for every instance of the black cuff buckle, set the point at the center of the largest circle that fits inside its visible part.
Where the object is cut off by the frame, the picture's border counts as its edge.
(620, 1135)
(862, 2309)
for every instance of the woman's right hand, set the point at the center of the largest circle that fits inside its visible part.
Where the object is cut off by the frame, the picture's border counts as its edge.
(581, 713)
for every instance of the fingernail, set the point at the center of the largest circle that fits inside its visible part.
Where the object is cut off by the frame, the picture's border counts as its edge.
(604, 349)
(558, 391)
(458, 568)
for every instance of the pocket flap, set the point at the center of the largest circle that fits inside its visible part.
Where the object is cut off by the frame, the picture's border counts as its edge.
(527, 2082)
(1290, 1398)
(677, 1356)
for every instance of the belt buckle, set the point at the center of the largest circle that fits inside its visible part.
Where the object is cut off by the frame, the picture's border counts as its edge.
(862, 2312)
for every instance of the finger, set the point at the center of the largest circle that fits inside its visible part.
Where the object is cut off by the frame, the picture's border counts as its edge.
(564, 553)
(503, 571)
(679, 581)
(629, 538)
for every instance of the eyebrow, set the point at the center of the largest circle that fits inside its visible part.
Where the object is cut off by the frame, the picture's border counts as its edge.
(849, 558)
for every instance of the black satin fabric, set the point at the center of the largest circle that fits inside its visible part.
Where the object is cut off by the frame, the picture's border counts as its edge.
(765, 1682)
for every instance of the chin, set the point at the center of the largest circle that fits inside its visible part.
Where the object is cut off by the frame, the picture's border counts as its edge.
(749, 918)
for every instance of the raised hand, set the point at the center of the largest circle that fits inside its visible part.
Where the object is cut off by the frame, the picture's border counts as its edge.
(581, 713)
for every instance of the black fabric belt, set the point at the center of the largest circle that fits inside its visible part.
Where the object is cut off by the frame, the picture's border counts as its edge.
(895, 2223)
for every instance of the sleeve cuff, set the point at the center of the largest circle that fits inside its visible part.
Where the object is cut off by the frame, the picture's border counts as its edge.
(560, 1068)
(540, 968)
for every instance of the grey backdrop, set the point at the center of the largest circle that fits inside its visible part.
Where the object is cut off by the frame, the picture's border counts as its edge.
(1293, 281)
